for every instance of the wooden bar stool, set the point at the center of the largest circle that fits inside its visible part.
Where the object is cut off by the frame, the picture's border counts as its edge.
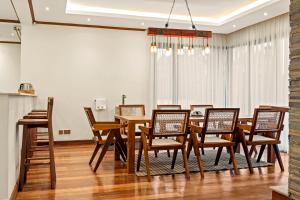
(30, 150)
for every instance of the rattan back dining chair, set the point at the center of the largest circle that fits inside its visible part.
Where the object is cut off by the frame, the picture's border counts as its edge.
(222, 121)
(168, 130)
(265, 129)
(169, 107)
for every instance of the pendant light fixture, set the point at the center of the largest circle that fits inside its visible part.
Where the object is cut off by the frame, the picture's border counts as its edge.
(192, 35)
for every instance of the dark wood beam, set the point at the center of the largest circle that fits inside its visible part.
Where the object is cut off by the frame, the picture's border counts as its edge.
(89, 26)
(10, 42)
(12, 21)
(31, 11)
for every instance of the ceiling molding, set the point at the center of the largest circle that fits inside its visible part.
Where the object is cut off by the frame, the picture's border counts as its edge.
(12, 21)
(89, 26)
(34, 21)
(9, 42)
(31, 11)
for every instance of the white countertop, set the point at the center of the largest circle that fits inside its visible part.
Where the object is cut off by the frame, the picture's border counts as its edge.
(17, 94)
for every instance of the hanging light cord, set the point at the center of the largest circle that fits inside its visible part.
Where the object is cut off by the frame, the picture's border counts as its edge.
(188, 8)
(167, 24)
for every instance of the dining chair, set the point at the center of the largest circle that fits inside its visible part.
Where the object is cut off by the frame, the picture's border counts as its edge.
(110, 134)
(265, 129)
(168, 130)
(169, 107)
(279, 108)
(199, 110)
(216, 120)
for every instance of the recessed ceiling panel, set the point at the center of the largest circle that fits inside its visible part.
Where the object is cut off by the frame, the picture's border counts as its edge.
(6, 10)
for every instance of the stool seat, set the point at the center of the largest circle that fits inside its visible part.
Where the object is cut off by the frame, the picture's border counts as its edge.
(33, 122)
(39, 110)
(37, 113)
(35, 117)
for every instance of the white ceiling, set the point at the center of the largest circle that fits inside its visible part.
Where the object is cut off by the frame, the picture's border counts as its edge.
(219, 16)
(7, 32)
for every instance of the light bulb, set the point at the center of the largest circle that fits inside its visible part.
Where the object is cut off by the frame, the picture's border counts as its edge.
(207, 50)
(169, 52)
(203, 52)
(153, 49)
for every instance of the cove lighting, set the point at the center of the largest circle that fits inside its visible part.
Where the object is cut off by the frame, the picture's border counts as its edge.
(76, 8)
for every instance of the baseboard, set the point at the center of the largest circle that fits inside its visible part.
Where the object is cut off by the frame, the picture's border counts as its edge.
(73, 142)
(14, 193)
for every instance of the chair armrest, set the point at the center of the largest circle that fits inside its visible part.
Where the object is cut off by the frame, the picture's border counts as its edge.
(245, 127)
(107, 126)
(145, 129)
(196, 129)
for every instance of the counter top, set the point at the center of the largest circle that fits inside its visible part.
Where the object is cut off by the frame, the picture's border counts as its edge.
(17, 94)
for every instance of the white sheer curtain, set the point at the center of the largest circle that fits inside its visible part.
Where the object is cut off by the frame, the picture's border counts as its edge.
(244, 69)
(258, 68)
(190, 79)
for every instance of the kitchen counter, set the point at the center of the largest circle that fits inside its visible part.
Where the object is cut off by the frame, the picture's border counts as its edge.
(13, 106)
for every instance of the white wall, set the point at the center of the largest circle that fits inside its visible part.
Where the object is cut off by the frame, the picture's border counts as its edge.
(77, 65)
(10, 55)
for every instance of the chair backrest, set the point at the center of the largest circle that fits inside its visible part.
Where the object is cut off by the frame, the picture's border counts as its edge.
(199, 110)
(220, 120)
(267, 120)
(169, 123)
(132, 110)
(169, 107)
(90, 116)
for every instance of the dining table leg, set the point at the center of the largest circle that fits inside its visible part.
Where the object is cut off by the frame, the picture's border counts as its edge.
(131, 147)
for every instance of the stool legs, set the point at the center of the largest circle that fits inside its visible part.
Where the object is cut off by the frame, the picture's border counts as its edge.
(23, 158)
(52, 161)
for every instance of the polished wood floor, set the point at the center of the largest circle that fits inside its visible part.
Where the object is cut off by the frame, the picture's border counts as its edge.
(76, 181)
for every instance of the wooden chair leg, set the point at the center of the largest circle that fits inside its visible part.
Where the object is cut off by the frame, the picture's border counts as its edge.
(277, 153)
(139, 156)
(147, 162)
(185, 161)
(261, 152)
(155, 153)
(219, 153)
(234, 163)
(169, 154)
(242, 139)
(202, 150)
(108, 141)
(120, 150)
(189, 147)
(198, 155)
(52, 160)
(97, 147)
(174, 158)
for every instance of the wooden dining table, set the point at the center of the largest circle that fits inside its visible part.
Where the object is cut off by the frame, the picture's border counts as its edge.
(132, 121)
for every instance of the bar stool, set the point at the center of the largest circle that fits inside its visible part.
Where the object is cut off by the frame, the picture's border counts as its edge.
(29, 147)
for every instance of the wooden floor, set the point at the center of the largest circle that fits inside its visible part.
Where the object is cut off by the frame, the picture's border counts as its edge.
(76, 180)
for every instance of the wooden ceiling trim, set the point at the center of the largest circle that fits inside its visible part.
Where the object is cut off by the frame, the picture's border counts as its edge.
(12, 21)
(89, 26)
(9, 42)
(35, 21)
